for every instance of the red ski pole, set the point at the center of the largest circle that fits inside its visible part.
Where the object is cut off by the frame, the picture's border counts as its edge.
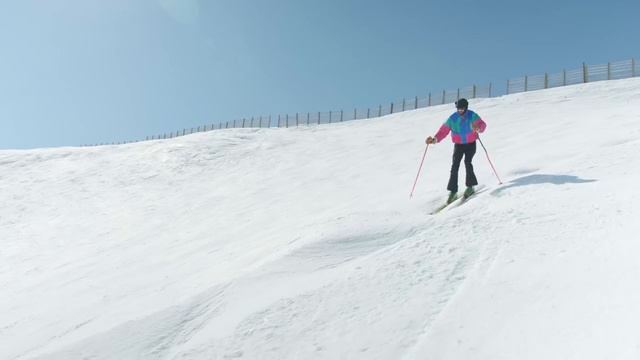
(420, 168)
(490, 163)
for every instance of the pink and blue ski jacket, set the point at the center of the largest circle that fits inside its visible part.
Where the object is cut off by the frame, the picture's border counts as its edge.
(460, 127)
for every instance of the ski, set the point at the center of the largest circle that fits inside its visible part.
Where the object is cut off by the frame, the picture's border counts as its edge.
(459, 200)
(444, 206)
(466, 198)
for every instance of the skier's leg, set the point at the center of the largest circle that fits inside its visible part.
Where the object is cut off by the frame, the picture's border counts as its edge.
(455, 166)
(470, 150)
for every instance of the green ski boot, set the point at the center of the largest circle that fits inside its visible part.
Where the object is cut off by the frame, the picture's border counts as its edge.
(452, 197)
(468, 192)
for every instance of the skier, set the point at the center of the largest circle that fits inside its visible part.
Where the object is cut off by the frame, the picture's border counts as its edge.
(464, 126)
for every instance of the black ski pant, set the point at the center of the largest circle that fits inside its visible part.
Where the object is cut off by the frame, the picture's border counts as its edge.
(460, 150)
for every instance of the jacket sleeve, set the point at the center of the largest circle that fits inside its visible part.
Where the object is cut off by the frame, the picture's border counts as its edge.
(481, 124)
(443, 132)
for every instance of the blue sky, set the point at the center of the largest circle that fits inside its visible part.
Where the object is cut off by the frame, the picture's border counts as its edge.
(76, 72)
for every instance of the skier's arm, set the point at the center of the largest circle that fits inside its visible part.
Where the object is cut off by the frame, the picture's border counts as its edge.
(443, 132)
(478, 124)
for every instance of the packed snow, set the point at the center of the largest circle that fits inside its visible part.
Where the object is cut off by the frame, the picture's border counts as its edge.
(303, 243)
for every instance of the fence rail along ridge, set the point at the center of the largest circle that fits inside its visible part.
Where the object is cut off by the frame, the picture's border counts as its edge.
(584, 74)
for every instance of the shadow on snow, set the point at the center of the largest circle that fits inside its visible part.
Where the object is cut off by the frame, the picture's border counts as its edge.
(537, 179)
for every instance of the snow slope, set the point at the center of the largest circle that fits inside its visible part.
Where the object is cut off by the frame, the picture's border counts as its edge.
(303, 244)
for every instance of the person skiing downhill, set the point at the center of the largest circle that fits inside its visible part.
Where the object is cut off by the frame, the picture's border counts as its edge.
(464, 126)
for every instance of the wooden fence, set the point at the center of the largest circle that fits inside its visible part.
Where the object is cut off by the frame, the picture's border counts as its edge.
(584, 74)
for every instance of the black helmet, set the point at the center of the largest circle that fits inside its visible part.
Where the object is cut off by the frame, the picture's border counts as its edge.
(462, 104)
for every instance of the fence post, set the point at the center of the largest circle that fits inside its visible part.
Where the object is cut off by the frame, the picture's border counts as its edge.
(546, 80)
(379, 110)
(564, 77)
(243, 120)
(508, 82)
(318, 117)
(392, 107)
(608, 71)
(458, 94)
(269, 121)
(308, 117)
(330, 116)
(633, 67)
(278, 120)
(474, 92)
(585, 73)
(403, 104)
(443, 95)
(297, 120)
(286, 124)
(490, 85)
(341, 115)
(252, 121)
(429, 99)
(416, 103)
(355, 114)
(526, 83)
(368, 112)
